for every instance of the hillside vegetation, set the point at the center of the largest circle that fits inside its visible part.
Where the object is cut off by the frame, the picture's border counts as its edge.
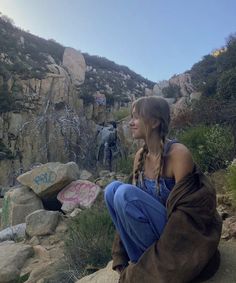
(208, 127)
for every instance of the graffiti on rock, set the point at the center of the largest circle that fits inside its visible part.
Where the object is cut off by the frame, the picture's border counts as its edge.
(81, 192)
(45, 178)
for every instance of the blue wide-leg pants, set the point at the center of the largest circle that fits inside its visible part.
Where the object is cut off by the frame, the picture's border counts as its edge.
(138, 217)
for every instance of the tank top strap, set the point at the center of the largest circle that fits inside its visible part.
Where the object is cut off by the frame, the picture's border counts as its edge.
(168, 145)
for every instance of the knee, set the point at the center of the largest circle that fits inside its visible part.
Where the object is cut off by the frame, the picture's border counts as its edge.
(122, 195)
(110, 191)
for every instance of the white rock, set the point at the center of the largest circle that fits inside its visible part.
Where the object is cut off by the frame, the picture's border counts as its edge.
(74, 61)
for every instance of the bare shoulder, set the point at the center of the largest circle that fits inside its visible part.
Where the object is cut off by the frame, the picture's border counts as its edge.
(180, 150)
(181, 161)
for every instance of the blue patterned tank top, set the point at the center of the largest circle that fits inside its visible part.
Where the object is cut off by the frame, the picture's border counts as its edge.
(166, 184)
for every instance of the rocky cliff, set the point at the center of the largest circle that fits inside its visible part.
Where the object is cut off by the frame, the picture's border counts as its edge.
(53, 100)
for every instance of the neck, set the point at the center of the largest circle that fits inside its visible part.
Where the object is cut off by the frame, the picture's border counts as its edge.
(154, 145)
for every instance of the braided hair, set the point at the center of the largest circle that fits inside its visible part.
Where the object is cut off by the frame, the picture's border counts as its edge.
(139, 170)
(149, 108)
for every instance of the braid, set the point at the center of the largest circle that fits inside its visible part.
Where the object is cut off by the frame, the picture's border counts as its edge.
(163, 138)
(141, 160)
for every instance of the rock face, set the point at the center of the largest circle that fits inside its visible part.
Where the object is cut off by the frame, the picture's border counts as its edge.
(182, 98)
(183, 81)
(18, 203)
(74, 61)
(50, 178)
(225, 274)
(54, 99)
(12, 258)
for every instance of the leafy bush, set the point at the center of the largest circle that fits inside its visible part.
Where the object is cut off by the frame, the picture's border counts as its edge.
(226, 86)
(121, 113)
(90, 240)
(211, 146)
(231, 179)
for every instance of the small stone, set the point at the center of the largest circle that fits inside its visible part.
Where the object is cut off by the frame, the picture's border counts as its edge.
(34, 241)
(75, 212)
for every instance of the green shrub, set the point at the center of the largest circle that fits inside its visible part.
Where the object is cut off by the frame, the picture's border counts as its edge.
(231, 179)
(211, 146)
(125, 165)
(121, 113)
(226, 86)
(88, 246)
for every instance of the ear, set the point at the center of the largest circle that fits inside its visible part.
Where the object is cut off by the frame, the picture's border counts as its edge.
(156, 123)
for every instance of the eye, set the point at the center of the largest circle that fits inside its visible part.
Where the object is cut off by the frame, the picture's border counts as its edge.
(134, 115)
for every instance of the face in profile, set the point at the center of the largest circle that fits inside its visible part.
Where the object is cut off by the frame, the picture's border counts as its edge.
(137, 126)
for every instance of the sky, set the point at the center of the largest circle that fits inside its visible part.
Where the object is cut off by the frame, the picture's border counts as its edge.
(155, 38)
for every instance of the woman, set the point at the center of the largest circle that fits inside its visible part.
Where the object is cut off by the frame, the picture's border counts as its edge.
(166, 221)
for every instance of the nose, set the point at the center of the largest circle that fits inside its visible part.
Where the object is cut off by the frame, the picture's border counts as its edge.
(131, 122)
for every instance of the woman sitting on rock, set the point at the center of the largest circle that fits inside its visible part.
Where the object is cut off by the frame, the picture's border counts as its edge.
(166, 221)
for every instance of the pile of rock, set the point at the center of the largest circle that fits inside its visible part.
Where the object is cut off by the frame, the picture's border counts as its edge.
(31, 237)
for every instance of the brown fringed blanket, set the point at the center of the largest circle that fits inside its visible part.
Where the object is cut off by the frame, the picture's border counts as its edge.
(189, 240)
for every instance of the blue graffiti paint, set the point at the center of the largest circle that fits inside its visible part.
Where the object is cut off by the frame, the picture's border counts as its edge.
(45, 178)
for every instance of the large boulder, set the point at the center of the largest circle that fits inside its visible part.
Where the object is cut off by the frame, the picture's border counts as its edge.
(12, 258)
(80, 193)
(105, 275)
(14, 233)
(41, 222)
(225, 274)
(50, 178)
(74, 61)
(18, 203)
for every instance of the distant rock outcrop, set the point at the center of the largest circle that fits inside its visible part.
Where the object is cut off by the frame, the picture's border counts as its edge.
(74, 61)
(53, 100)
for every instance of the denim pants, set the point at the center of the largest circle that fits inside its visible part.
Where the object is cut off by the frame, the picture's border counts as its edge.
(138, 217)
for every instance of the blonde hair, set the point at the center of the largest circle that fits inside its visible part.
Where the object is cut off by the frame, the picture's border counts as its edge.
(152, 108)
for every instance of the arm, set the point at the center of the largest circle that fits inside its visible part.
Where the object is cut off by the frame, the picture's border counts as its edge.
(181, 161)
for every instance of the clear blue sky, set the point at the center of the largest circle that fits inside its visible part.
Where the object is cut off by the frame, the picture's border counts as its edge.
(155, 38)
